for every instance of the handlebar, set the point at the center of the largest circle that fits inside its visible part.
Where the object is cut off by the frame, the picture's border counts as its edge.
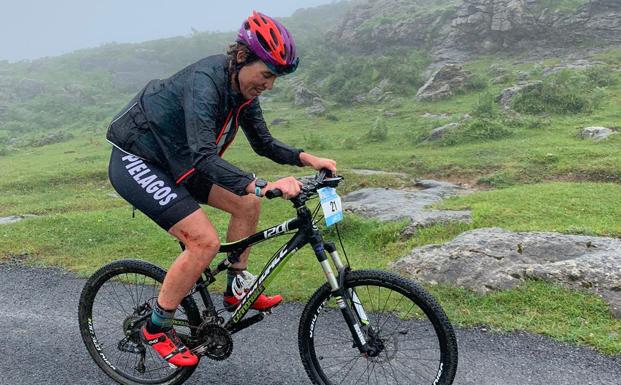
(323, 179)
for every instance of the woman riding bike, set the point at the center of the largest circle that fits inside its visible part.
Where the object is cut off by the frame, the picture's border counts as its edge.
(167, 158)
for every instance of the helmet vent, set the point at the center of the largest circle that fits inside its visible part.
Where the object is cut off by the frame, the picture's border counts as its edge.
(263, 43)
(274, 37)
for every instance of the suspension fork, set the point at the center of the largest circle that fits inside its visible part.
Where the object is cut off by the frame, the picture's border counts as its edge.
(342, 270)
(341, 295)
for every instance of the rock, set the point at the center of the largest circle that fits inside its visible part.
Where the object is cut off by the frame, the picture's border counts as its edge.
(444, 83)
(493, 259)
(379, 94)
(376, 94)
(506, 96)
(578, 65)
(303, 96)
(389, 204)
(429, 115)
(596, 133)
(279, 121)
(501, 79)
(522, 75)
(496, 69)
(459, 30)
(15, 218)
(439, 132)
(317, 108)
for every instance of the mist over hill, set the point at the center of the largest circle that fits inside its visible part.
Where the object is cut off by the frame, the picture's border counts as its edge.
(347, 49)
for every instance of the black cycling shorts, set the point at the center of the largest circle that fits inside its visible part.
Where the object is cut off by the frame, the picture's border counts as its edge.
(153, 191)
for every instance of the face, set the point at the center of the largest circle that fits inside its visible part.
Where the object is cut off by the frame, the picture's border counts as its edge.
(254, 79)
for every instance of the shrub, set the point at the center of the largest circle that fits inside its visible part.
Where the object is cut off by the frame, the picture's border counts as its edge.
(485, 107)
(477, 130)
(314, 141)
(378, 132)
(525, 121)
(475, 82)
(566, 92)
(601, 76)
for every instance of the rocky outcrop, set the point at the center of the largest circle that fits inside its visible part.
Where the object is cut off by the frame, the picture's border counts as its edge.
(389, 204)
(478, 26)
(493, 259)
(444, 83)
(317, 107)
(302, 96)
(505, 98)
(376, 95)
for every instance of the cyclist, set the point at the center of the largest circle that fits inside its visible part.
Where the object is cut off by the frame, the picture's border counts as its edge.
(167, 158)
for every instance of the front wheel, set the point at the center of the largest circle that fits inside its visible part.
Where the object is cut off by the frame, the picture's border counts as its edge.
(412, 339)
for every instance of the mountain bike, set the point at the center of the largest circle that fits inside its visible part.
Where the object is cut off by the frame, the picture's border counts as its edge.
(361, 325)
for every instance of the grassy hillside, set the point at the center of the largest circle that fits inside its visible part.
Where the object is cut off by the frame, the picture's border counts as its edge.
(533, 170)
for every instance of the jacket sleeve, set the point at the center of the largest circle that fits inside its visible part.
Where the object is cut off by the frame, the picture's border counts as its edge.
(201, 104)
(261, 140)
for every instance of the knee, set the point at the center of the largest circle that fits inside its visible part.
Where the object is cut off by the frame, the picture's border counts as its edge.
(203, 246)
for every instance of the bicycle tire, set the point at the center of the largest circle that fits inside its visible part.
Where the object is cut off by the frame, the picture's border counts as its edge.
(330, 357)
(106, 279)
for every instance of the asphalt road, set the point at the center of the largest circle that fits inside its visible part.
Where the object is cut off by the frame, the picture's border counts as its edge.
(41, 345)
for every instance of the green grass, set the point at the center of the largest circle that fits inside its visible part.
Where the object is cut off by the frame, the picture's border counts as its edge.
(577, 208)
(543, 168)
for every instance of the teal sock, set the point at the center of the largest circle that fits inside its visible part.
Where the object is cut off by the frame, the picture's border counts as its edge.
(161, 319)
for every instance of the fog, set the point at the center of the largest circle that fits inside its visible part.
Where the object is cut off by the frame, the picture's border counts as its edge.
(31, 29)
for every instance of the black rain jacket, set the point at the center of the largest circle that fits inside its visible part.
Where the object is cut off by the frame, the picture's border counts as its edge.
(185, 123)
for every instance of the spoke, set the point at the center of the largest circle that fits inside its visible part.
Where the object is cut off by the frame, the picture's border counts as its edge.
(386, 378)
(411, 344)
(128, 290)
(409, 360)
(354, 362)
(118, 300)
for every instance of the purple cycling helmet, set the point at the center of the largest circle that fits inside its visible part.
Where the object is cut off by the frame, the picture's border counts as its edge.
(270, 41)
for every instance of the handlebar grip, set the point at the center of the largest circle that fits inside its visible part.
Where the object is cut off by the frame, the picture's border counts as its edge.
(274, 193)
(323, 173)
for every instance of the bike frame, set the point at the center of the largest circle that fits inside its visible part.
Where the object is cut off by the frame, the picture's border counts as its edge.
(307, 233)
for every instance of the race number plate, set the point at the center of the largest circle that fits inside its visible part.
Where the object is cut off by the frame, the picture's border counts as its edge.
(331, 205)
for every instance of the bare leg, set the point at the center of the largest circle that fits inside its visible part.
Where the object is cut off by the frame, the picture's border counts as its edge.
(201, 245)
(244, 210)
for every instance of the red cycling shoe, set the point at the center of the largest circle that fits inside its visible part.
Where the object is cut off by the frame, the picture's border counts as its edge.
(262, 303)
(168, 345)
(240, 285)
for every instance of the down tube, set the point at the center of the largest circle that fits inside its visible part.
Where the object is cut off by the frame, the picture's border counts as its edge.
(270, 271)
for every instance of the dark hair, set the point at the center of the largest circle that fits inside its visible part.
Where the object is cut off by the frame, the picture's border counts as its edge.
(232, 51)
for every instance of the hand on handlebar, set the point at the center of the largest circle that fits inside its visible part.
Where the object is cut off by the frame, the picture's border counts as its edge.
(289, 186)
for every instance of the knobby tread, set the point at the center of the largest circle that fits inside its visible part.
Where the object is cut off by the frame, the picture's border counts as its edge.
(87, 297)
(424, 300)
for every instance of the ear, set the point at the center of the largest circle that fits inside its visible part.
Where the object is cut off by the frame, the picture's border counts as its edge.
(241, 57)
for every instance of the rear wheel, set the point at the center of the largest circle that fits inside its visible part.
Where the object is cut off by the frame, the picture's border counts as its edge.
(411, 337)
(114, 304)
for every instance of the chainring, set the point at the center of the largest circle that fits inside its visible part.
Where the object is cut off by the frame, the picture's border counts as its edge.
(216, 341)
